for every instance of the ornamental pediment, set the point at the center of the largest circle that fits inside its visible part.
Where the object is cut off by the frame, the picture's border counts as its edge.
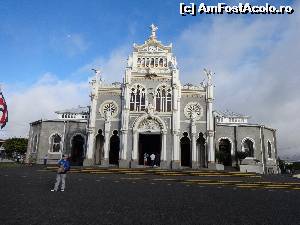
(152, 46)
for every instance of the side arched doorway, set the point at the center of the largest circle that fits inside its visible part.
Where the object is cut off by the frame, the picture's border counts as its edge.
(77, 150)
(202, 157)
(114, 148)
(99, 153)
(185, 146)
(225, 152)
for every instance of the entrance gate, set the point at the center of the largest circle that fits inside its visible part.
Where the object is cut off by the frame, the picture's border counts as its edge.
(149, 143)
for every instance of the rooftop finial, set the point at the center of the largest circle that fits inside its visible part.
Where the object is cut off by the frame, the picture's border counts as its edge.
(153, 31)
(97, 73)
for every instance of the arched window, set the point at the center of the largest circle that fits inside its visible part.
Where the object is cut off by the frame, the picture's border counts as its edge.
(55, 143)
(137, 98)
(163, 99)
(138, 62)
(161, 62)
(248, 147)
(152, 62)
(34, 144)
(269, 150)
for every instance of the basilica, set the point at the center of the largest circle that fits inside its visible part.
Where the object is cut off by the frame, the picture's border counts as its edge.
(152, 112)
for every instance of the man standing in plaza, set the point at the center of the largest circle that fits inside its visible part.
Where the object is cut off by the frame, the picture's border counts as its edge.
(64, 167)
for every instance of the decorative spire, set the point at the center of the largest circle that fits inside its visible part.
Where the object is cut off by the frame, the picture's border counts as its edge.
(209, 74)
(153, 31)
(97, 74)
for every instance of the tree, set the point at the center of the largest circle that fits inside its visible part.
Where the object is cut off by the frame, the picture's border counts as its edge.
(17, 145)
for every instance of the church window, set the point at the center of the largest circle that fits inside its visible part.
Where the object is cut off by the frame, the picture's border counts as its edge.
(35, 144)
(55, 143)
(165, 62)
(152, 62)
(139, 62)
(160, 62)
(156, 62)
(138, 98)
(248, 147)
(163, 99)
(147, 62)
(269, 150)
(143, 62)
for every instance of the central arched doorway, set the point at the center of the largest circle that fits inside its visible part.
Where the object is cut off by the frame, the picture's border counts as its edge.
(185, 145)
(225, 152)
(77, 150)
(149, 144)
(149, 136)
(114, 148)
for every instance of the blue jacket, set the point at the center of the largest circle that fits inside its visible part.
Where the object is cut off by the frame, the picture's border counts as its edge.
(65, 164)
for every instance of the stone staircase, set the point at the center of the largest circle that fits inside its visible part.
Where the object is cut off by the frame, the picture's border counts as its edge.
(157, 171)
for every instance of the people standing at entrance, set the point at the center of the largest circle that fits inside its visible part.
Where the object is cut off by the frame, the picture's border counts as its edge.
(64, 167)
(146, 155)
(152, 157)
(45, 160)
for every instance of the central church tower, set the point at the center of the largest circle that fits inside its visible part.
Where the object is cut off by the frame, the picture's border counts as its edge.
(150, 113)
(151, 89)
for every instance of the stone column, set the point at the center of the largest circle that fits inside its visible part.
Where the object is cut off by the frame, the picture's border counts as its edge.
(175, 164)
(210, 124)
(124, 162)
(163, 161)
(194, 144)
(134, 158)
(175, 159)
(95, 84)
(107, 125)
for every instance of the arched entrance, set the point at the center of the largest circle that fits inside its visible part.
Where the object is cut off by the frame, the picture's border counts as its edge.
(149, 135)
(185, 145)
(99, 153)
(225, 152)
(114, 148)
(149, 144)
(201, 149)
(77, 150)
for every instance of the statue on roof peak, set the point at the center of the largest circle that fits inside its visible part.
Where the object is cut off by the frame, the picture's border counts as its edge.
(153, 31)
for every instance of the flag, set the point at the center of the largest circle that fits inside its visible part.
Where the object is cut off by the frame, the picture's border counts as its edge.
(3, 111)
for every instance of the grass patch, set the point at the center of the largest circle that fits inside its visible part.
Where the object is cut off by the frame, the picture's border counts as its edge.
(10, 165)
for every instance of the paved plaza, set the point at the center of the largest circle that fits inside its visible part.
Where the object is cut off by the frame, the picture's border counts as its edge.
(147, 196)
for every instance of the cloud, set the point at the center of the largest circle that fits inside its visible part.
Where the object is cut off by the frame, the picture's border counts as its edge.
(39, 101)
(49, 93)
(70, 44)
(255, 65)
(112, 68)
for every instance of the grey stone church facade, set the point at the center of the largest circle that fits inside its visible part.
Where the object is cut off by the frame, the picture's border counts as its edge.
(152, 112)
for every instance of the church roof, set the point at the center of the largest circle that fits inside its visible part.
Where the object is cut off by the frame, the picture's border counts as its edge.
(78, 110)
(229, 114)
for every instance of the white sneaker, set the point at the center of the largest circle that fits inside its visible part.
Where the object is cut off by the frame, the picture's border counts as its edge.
(53, 190)
(62, 190)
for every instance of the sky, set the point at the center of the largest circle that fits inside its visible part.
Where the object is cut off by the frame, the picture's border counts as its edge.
(47, 50)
